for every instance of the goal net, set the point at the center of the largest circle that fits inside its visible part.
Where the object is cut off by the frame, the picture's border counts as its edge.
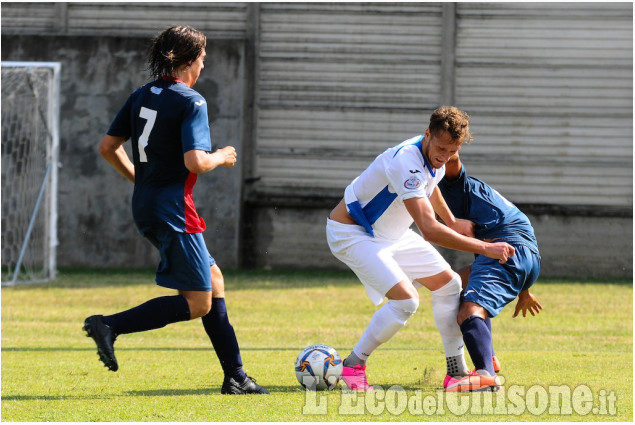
(30, 138)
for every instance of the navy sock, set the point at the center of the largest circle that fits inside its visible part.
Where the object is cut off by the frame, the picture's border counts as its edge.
(152, 314)
(488, 322)
(223, 337)
(478, 341)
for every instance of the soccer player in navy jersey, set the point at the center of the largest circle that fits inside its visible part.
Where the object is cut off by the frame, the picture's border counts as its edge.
(167, 123)
(489, 285)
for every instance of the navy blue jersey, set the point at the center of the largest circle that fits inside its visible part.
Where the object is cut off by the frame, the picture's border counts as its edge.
(164, 119)
(495, 217)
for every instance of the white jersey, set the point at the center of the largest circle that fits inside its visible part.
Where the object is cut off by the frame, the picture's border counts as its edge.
(375, 198)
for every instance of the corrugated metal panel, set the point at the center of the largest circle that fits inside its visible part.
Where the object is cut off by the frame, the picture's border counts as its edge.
(216, 20)
(549, 87)
(302, 149)
(28, 18)
(337, 84)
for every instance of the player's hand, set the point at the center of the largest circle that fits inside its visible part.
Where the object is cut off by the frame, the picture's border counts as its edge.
(499, 250)
(228, 156)
(527, 302)
(464, 227)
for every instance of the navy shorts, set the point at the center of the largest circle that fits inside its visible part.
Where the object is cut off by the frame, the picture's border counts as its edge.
(493, 285)
(185, 261)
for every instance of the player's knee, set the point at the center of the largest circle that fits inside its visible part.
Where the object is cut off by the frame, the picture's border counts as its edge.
(218, 288)
(199, 305)
(200, 309)
(445, 304)
(404, 309)
(450, 289)
(463, 314)
(218, 282)
(469, 309)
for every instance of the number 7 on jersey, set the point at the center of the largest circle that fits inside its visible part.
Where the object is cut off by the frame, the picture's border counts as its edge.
(150, 115)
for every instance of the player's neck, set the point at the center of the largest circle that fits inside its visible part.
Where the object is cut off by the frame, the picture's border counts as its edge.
(174, 79)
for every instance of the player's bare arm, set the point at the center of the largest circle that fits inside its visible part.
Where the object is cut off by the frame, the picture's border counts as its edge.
(423, 214)
(453, 167)
(198, 161)
(459, 225)
(111, 148)
(527, 302)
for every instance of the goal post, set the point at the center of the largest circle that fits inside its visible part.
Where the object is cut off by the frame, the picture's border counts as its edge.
(30, 157)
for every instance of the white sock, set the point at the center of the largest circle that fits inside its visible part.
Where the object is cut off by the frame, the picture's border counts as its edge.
(445, 307)
(384, 324)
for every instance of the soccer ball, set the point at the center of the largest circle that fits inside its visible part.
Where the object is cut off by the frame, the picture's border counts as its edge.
(318, 367)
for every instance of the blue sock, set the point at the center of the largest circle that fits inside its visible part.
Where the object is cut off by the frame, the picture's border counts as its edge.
(488, 322)
(223, 337)
(478, 341)
(153, 314)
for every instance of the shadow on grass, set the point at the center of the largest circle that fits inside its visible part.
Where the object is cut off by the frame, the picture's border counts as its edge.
(49, 349)
(215, 390)
(52, 398)
(173, 392)
(236, 280)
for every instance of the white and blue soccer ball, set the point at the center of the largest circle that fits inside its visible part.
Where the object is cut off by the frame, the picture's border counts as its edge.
(318, 367)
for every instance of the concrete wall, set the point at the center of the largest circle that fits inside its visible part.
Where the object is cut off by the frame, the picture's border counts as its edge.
(98, 74)
(580, 246)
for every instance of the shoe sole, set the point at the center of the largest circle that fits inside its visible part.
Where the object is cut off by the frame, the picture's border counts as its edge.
(473, 387)
(105, 359)
(240, 392)
(232, 388)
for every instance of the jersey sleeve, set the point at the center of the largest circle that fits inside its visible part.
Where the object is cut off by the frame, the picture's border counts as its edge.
(121, 125)
(455, 194)
(195, 128)
(406, 175)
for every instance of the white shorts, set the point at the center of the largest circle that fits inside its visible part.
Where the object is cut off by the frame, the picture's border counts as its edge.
(381, 263)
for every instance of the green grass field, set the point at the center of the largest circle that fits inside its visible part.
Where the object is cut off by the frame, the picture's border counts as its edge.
(573, 362)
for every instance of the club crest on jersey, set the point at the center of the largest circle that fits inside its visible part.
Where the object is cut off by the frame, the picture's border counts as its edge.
(412, 183)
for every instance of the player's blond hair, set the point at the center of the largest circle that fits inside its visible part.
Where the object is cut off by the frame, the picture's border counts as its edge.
(174, 47)
(452, 120)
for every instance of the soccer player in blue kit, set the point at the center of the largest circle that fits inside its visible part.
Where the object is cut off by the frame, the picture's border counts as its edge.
(167, 122)
(490, 285)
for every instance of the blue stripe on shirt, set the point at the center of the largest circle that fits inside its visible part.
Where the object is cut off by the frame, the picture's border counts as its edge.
(378, 205)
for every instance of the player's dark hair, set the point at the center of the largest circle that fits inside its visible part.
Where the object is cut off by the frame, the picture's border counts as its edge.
(452, 120)
(176, 46)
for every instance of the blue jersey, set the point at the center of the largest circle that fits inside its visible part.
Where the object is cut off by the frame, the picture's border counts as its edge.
(164, 119)
(495, 217)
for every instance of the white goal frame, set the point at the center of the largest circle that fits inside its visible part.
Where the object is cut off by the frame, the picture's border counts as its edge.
(48, 185)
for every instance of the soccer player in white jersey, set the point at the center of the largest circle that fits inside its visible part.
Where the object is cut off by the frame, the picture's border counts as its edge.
(369, 231)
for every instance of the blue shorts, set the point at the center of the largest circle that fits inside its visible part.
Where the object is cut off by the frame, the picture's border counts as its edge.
(493, 285)
(185, 261)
